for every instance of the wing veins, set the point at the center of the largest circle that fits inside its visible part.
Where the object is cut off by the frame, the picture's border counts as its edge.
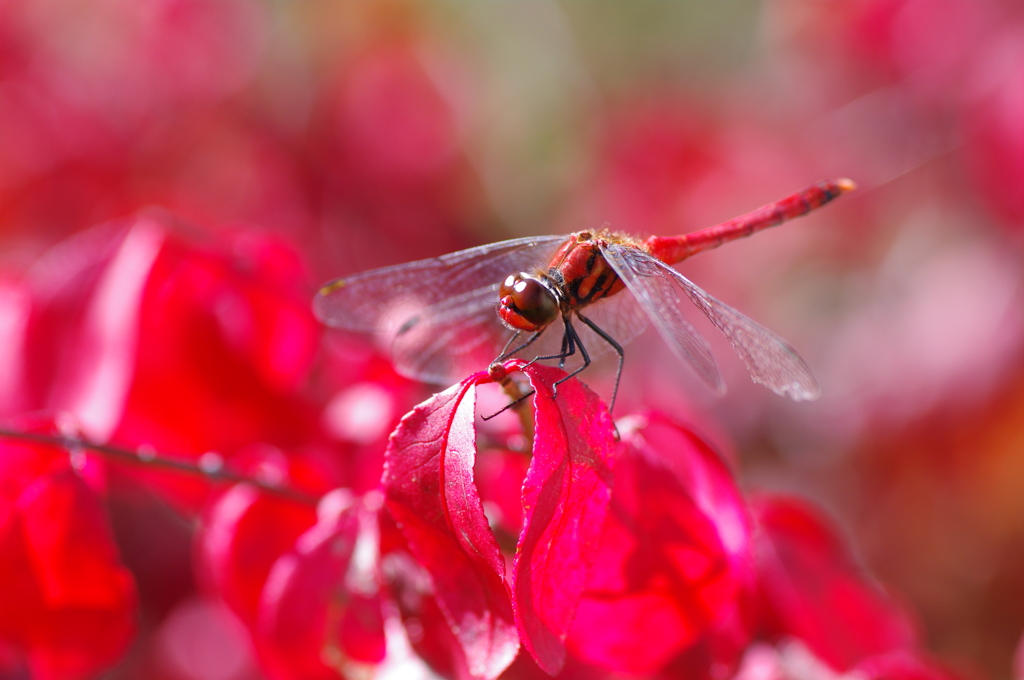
(360, 301)
(658, 297)
(770, 360)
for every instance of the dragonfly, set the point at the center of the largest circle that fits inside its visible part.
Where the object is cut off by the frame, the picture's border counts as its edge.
(446, 316)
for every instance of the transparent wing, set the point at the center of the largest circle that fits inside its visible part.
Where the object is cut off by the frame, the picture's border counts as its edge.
(452, 338)
(437, 316)
(644, 276)
(386, 299)
(771, 361)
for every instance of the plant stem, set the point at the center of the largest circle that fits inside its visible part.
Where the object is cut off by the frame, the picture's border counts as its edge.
(215, 474)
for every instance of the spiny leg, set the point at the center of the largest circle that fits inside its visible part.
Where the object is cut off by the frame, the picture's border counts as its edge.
(615, 346)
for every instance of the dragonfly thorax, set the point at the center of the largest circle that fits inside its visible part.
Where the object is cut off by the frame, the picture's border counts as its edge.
(527, 302)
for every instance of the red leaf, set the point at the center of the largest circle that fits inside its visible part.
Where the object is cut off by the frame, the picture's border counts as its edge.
(289, 572)
(67, 605)
(220, 347)
(147, 338)
(244, 532)
(429, 490)
(22, 463)
(813, 590)
(361, 629)
(565, 497)
(305, 595)
(409, 586)
(429, 633)
(105, 346)
(674, 565)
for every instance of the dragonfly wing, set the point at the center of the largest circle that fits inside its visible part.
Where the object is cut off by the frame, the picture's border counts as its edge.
(658, 295)
(451, 338)
(771, 361)
(387, 299)
(437, 316)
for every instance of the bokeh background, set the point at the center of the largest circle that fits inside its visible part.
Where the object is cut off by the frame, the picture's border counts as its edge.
(372, 133)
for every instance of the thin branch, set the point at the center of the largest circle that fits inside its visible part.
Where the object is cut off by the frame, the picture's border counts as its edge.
(214, 471)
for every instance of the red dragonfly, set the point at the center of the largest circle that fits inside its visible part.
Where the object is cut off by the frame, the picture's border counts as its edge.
(441, 315)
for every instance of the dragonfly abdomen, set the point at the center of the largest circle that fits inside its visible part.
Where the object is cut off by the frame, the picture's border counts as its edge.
(673, 249)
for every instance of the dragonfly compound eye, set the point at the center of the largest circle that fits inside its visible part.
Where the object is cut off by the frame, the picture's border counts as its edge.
(533, 301)
(507, 286)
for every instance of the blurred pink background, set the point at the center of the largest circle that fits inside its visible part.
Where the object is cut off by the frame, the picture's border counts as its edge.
(372, 133)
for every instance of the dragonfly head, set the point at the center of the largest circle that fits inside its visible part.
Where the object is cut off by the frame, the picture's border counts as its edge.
(525, 303)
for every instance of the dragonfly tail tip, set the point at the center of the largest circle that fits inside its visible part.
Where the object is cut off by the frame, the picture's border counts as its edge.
(846, 185)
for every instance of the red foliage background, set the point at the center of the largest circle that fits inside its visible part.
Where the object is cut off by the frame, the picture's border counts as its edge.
(178, 176)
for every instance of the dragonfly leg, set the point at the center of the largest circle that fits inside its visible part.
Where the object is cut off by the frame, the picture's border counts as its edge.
(504, 350)
(615, 346)
(564, 352)
(569, 342)
(574, 339)
(511, 404)
(506, 353)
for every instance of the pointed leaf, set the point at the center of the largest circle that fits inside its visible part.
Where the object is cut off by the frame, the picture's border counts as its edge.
(429, 490)
(68, 605)
(814, 590)
(675, 559)
(243, 533)
(305, 597)
(565, 500)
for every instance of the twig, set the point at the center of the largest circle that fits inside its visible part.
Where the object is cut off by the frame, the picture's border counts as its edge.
(214, 472)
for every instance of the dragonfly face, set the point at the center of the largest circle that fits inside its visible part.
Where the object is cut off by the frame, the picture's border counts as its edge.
(527, 302)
